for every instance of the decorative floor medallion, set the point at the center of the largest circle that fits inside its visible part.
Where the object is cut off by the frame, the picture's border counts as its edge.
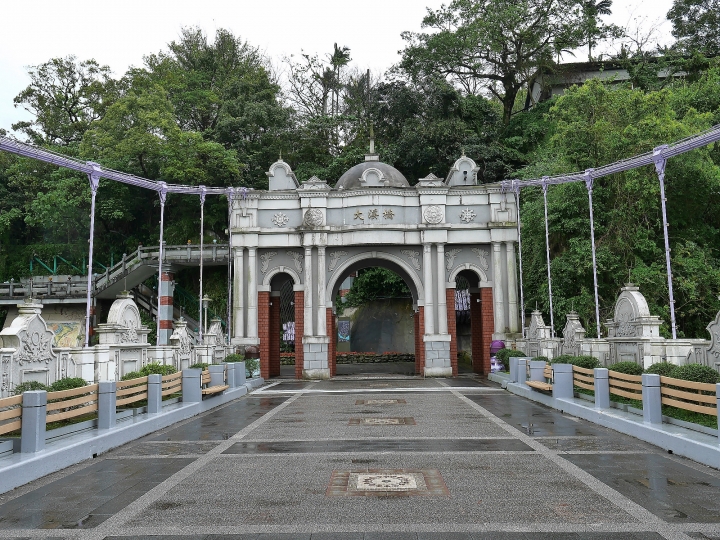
(380, 402)
(381, 422)
(387, 483)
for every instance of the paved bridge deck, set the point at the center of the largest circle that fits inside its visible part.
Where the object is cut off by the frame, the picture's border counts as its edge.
(375, 458)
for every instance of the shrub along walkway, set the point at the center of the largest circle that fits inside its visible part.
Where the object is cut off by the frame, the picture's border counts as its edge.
(374, 458)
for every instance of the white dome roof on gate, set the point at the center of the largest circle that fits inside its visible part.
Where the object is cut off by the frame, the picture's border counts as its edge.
(371, 174)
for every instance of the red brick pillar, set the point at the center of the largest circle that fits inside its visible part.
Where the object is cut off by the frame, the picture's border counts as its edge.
(274, 325)
(165, 315)
(299, 331)
(332, 345)
(419, 343)
(476, 325)
(452, 329)
(93, 322)
(263, 307)
(488, 326)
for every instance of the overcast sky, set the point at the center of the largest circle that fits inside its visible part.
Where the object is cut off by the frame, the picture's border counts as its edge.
(120, 33)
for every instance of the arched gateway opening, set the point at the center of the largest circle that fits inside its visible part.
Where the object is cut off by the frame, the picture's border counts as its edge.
(380, 333)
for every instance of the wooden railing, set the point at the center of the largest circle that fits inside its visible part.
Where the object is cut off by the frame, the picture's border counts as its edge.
(10, 414)
(64, 404)
(627, 386)
(172, 384)
(131, 391)
(584, 378)
(688, 395)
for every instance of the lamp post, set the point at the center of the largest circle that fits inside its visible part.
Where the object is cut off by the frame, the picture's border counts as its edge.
(205, 303)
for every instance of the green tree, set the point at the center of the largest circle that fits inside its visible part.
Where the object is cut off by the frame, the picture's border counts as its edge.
(224, 91)
(696, 26)
(65, 97)
(140, 135)
(595, 30)
(496, 45)
(374, 283)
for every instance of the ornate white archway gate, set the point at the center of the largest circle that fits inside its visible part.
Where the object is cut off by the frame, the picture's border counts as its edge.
(315, 234)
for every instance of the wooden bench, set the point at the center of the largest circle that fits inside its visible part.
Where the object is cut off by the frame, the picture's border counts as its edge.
(211, 390)
(542, 385)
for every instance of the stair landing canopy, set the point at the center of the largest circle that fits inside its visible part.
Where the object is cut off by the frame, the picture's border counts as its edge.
(314, 235)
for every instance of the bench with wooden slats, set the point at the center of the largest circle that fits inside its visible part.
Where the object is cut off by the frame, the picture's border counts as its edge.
(543, 385)
(211, 390)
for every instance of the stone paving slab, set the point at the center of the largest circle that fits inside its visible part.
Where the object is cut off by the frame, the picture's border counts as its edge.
(274, 490)
(87, 497)
(535, 419)
(595, 444)
(407, 536)
(165, 448)
(349, 384)
(383, 445)
(323, 416)
(672, 491)
(222, 423)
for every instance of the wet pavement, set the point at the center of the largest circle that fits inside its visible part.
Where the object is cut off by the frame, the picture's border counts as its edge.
(374, 457)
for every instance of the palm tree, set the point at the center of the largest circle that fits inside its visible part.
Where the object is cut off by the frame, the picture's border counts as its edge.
(338, 59)
(592, 10)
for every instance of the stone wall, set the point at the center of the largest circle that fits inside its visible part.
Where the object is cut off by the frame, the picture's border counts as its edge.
(383, 325)
(288, 359)
(633, 336)
(28, 351)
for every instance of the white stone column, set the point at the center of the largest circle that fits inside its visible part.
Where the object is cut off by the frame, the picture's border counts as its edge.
(321, 314)
(512, 288)
(429, 296)
(498, 291)
(252, 318)
(308, 292)
(441, 295)
(239, 295)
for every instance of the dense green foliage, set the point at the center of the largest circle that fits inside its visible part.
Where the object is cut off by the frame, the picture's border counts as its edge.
(234, 358)
(374, 283)
(150, 369)
(251, 366)
(661, 368)
(199, 365)
(696, 25)
(596, 124)
(504, 355)
(629, 368)
(586, 362)
(27, 386)
(696, 373)
(67, 383)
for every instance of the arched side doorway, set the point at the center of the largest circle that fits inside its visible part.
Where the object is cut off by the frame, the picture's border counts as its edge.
(368, 260)
(273, 319)
(480, 298)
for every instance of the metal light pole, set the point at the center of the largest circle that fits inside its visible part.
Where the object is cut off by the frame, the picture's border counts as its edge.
(544, 185)
(94, 178)
(202, 233)
(589, 185)
(516, 190)
(660, 163)
(205, 303)
(231, 199)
